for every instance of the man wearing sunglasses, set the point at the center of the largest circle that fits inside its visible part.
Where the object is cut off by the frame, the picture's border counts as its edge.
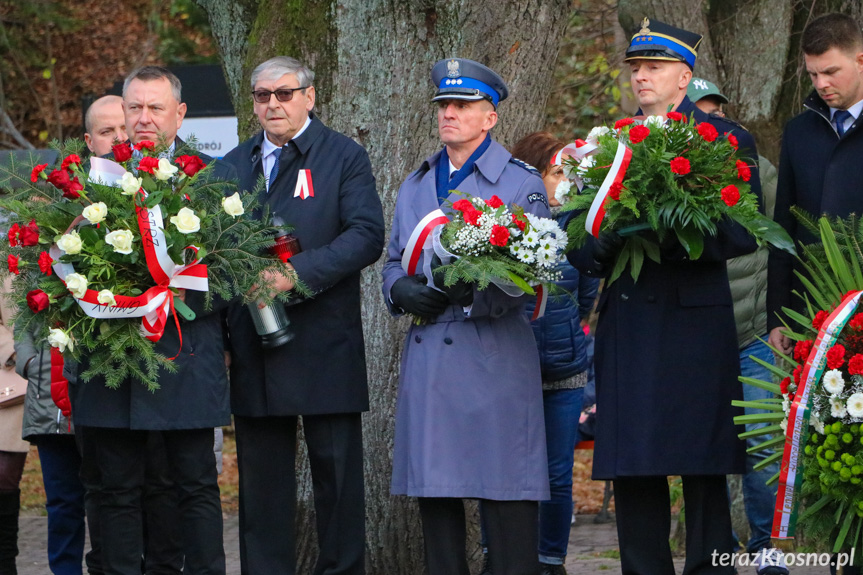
(320, 183)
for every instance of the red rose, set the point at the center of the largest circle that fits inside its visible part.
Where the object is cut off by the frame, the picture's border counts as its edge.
(148, 164)
(819, 319)
(13, 235)
(499, 235)
(623, 122)
(783, 385)
(519, 221)
(802, 349)
(69, 160)
(676, 116)
(59, 178)
(732, 139)
(145, 144)
(680, 166)
(37, 170)
(615, 189)
(462, 205)
(190, 165)
(471, 216)
(836, 356)
(12, 263)
(855, 365)
(29, 234)
(638, 133)
(730, 195)
(743, 171)
(45, 262)
(122, 152)
(37, 300)
(707, 131)
(494, 202)
(797, 373)
(73, 189)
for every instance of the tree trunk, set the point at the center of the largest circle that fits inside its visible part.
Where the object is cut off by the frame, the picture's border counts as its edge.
(372, 60)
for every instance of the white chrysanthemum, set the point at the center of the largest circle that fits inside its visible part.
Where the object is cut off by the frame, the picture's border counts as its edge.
(595, 133)
(833, 382)
(654, 122)
(526, 256)
(586, 164)
(784, 424)
(531, 239)
(837, 407)
(561, 192)
(786, 405)
(854, 405)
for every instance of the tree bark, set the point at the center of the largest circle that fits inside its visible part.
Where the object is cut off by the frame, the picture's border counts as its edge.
(372, 60)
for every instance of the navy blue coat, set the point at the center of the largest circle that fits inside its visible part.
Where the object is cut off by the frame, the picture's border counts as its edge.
(666, 356)
(341, 231)
(820, 173)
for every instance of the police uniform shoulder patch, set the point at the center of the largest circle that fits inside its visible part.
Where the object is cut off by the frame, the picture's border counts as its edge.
(525, 165)
(538, 197)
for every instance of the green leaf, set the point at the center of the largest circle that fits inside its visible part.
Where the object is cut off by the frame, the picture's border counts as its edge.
(691, 240)
(523, 285)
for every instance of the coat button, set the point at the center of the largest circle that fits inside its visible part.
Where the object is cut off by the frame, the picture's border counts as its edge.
(417, 338)
(624, 297)
(447, 340)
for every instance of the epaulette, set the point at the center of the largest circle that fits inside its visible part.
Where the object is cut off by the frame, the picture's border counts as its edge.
(525, 165)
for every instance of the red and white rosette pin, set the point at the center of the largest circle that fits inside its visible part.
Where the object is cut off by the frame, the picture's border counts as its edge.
(615, 175)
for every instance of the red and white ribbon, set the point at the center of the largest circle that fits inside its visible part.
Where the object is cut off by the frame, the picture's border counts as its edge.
(305, 188)
(791, 470)
(615, 175)
(421, 238)
(579, 150)
(541, 301)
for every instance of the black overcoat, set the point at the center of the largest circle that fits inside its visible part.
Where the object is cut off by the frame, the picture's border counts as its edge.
(341, 231)
(666, 356)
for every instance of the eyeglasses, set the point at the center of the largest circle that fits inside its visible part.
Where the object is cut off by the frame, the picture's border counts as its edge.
(282, 94)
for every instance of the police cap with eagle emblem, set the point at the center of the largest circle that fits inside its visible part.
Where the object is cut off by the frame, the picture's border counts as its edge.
(462, 79)
(660, 41)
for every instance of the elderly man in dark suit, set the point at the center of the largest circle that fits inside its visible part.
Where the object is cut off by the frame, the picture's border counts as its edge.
(320, 183)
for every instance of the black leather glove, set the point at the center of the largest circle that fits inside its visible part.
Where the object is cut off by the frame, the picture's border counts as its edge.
(605, 249)
(461, 292)
(412, 295)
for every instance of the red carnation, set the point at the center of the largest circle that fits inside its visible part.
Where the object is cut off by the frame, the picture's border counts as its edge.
(743, 171)
(145, 144)
(836, 356)
(13, 235)
(707, 131)
(802, 349)
(676, 116)
(637, 134)
(190, 165)
(856, 322)
(819, 319)
(615, 189)
(680, 166)
(148, 164)
(462, 205)
(730, 195)
(37, 171)
(37, 300)
(471, 216)
(494, 202)
(519, 221)
(855, 365)
(12, 263)
(69, 160)
(783, 385)
(29, 234)
(73, 189)
(45, 262)
(623, 122)
(59, 178)
(797, 373)
(732, 139)
(499, 235)
(122, 152)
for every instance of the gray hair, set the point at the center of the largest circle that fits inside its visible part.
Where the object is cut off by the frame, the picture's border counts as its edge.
(150, 73)
(275, 68)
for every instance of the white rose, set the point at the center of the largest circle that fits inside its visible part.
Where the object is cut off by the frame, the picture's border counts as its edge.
(130, 184)
(77, 284)
(105, 297)
(95, 213)
(60, 339)
(121, 240)
(70, 243)
(186, 221)
(233, 205)
(165, 170)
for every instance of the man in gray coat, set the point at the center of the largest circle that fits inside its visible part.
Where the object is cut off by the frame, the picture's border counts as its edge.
(469, 419)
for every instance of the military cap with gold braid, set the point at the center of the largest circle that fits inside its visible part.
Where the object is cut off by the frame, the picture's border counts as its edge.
(660, 41)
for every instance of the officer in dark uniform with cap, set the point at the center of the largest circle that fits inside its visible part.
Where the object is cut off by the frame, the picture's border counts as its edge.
(469, 418)
(666, 355)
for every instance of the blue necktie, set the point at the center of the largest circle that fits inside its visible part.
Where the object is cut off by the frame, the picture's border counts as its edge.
(274, 171)
(839, 117)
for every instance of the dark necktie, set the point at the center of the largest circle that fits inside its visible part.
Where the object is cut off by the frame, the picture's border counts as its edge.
(839, 118)
(274, 171)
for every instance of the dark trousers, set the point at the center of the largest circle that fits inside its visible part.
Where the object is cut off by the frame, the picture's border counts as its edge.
(643, 509)
(511, 529)
(266, 455)
(120, 455)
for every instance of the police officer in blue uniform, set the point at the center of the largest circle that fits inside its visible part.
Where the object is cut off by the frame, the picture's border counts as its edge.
(469, 417)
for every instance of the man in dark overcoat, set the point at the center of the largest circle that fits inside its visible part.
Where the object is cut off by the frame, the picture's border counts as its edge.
(116, 424)
(819, 167)
(666, 354)
(320, 183)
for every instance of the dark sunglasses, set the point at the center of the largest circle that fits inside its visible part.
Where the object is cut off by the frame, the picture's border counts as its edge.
(282, 94)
